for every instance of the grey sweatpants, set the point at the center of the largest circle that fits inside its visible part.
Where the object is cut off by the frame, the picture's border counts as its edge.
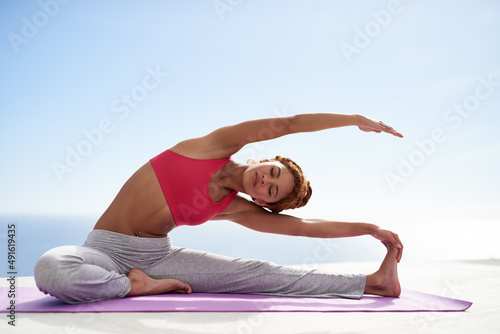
(98, 271)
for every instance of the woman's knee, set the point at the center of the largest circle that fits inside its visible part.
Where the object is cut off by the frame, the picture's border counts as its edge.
(53, 267)
(79, 274)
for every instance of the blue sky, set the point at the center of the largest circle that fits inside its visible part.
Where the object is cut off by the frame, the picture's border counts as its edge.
(147, 74)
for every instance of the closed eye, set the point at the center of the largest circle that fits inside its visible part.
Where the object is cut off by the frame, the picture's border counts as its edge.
(272, 172)
(276, 192)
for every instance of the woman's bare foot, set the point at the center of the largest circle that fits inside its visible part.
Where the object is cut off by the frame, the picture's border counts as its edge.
(143, 285)
(385, 281)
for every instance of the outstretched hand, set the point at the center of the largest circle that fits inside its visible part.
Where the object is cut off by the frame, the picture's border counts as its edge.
(372, 125)
(391, 237)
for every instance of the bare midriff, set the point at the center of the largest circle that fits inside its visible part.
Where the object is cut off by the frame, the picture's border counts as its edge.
(139, 208)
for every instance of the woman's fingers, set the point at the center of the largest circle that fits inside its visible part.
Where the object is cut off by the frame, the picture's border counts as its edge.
(371, 125)
(398, 245)
(392, 239)
(390, 130)
(398, 240)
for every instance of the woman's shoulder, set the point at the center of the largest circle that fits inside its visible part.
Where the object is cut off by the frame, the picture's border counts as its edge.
(197, 148)
(239, 207)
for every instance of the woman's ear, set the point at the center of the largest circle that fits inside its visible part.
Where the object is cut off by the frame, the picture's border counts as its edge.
(259, 202)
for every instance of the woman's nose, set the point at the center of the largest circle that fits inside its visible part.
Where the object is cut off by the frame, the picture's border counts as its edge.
(266, 180)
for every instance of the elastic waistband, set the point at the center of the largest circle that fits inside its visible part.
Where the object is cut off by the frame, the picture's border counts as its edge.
(101, 237)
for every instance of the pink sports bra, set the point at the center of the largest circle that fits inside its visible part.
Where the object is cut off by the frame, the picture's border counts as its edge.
(184, 182)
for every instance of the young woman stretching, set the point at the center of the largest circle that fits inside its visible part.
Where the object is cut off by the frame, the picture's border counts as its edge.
(129, 252)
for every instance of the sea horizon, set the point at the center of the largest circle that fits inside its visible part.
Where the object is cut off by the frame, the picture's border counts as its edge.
(36, 234)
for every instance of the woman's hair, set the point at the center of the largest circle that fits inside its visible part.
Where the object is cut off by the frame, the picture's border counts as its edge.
(301, 192)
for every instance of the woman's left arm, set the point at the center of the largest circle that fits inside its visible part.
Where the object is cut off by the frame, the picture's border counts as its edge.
(254, 217)
(319, 228)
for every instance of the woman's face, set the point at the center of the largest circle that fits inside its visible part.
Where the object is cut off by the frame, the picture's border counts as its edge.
(268, 182)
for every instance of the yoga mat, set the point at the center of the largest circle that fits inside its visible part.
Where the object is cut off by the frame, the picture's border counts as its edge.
(32, 300)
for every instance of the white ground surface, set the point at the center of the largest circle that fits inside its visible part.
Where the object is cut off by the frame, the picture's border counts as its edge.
(476, 281)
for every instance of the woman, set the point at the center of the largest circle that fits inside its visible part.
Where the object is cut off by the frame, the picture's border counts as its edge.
(129, 251)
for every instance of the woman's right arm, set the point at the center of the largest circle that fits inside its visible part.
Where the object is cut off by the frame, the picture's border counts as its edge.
(317, 122)
(228, 140)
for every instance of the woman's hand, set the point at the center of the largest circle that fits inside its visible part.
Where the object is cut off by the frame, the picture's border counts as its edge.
(388, 236)
(372, 125)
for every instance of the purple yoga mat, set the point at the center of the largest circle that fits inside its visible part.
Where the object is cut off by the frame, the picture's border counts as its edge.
(32, 300)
